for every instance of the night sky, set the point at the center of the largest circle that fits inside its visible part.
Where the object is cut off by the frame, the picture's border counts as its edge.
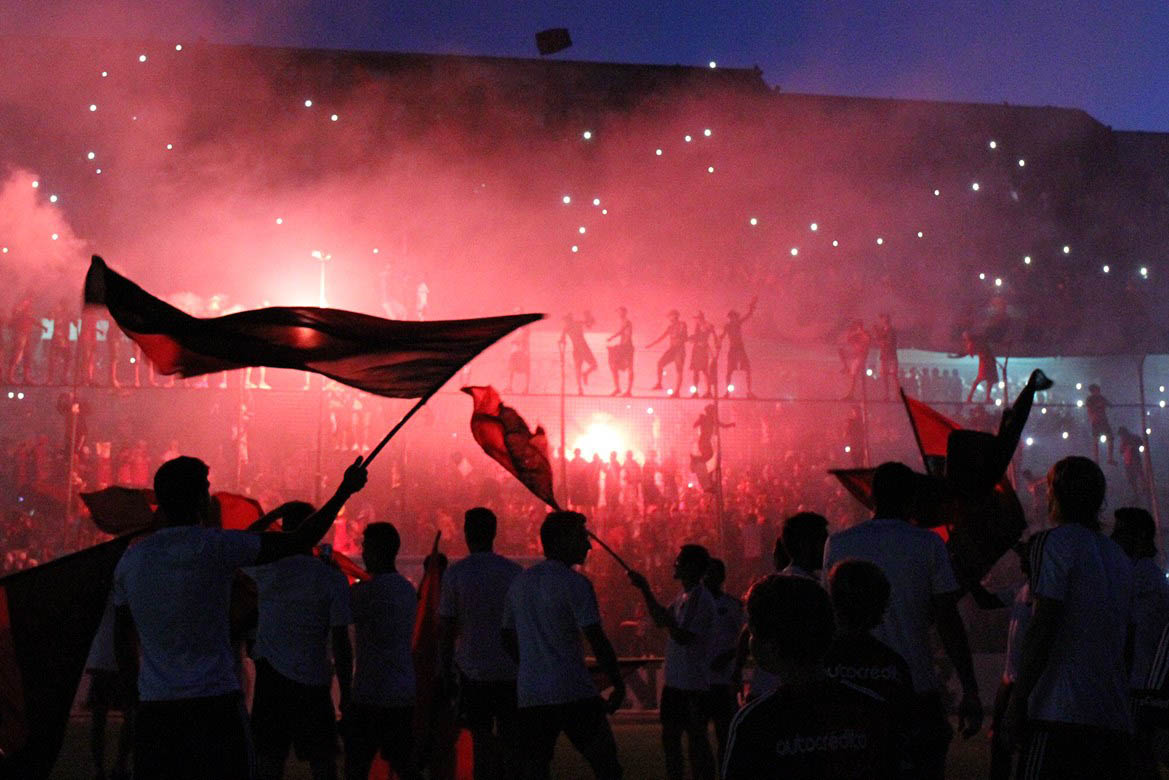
(1106, 58)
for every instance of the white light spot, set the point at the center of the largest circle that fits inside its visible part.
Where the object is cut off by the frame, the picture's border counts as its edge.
(596, 201)
(835, 242)
(710, 169)
(713, 64)
(105, 73)
(937, 193)
(1030, 441)
(52, 199)
(998, 282)
(868, 372)
(1079, 385)
(566, 200)
(1067, 250)
(587, 135)
(178, 47)
(1103, 439)
(880, 241)
(308, 104)
(1022, 162)
(1002, 385)
(753, 221)
(993, 144)
(11, 395)
(813, 227)
(20, 396)
(1064, 435)
(1079, 402)
(1043, 410)
(670, 391)
(687, 139)
(706, 132)
(133, 360)
(142, 58)
(795, 251)
(93, 106)
(1148, 431)
(693, 389)
(649, 410)
(575, 248)
(279, 220)
(847, 448)
(974, 186)
(658, 152)
(98, 171)
(375, 250)
(4, 250)
(1161, 404)
(982, 277)
(1106, 268)
(169, 147)
(581, 229)
(333, 117)
(998, 402)
(1142, 449)
(604, 211)
(1026, 259)
(730, 388)
(920, 234)
(90, 155)
(54, 236)
(1144, 271)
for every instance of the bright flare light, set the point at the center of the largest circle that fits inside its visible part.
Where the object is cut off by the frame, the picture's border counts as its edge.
(52, 199)
(920, 234)
(710, 169)
(308, 104)
(575, 248)
(998, 282)
(600, 438)
(835, 242)
(730, 388)
(1144, 272)
(178, 47)
(279, 220)
(937, 193)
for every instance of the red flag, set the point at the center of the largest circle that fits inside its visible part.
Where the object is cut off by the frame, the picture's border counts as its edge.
(858, 482)
(504, 436)
(118, 510)
(931, 429)
(385, 357)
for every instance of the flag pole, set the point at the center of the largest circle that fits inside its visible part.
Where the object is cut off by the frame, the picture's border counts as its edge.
(397, 427)
(609, 550)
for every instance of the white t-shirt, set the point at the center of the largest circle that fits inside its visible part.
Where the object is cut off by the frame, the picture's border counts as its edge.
(1150, 616)
(728, 624)
(300, 598)
(383, 616)
(1021, 608)
(917, 565)
(473, 592)
(1084, 681)
(547, 606)
(177, 583)
(688, 666)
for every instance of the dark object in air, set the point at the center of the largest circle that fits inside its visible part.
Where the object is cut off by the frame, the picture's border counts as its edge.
(553, 40)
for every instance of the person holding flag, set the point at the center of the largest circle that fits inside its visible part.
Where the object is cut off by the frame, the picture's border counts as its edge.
(171, 595)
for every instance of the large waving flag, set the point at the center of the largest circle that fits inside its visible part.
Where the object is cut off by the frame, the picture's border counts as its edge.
(931, 431)
(504, 436)
(391, 358)
(48, 616)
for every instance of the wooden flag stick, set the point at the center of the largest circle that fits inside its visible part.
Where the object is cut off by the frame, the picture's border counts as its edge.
(609, 550)
(381, 444)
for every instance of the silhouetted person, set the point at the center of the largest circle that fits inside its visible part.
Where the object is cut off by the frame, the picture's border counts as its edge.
(886, 337)
(924, 591)
(725, 676)
(1072, 695)
(812, 726)
(701, 363)
(621, 353)
(548, 607)
(24, 331)
(1096, 405)
(803, 536)
(519, 359)
(303, 602)
(171, 591)
(1132, 456)
(380, 718)
(732, 333)
(60, 363)
(470, 612)
(675, 349)
(689, 621)
(988, 370)
(859, 592)
(708, 425)
(854, 354)
(583, 361)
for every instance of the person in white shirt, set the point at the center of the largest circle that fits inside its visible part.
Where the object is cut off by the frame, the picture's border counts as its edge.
(547, 609)
(380, 716)
(803, 536)
(301, 602)
(725, 675)
(470, 612)
(171, 594)
(923, 590)
(1073, 687)
(690, 622)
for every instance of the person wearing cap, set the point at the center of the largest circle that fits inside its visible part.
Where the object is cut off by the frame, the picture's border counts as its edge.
(675, 351)
(621, 353)
(171, 596)
(736, 351)
(700, 355)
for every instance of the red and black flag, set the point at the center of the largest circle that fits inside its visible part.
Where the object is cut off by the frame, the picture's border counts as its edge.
(931, 431)
(504, 435)
(392, 358)
(48, 616)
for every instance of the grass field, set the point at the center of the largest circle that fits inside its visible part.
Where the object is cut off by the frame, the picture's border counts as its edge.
(637, 741)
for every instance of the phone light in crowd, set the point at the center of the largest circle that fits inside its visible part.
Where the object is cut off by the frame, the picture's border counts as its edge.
(1079, 402)
(1002, 385)
(35, 184)
(1142, 449)
(169, 147)
(1043, 410)
(920, 234)
(1064, 434)
(52, 199)
(730, 388)
(982, 277)
(279, 220)
(1030, 441)
(54, 236)
(566, 200)
(105, 73)
(375, 250)
(998, 282)
(604, 211)
(835, 242)
(581, 230)
(133, 360)
(587, 135)
(20, 396)
(98, 171)
(1161, 389)
(710, 169)
(670, 391)
(1148, 431)
(998, 402)
(1161, 404)
(333, 117)
(11, 395)
(90, 156)
(178, 47)
(937, 193)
